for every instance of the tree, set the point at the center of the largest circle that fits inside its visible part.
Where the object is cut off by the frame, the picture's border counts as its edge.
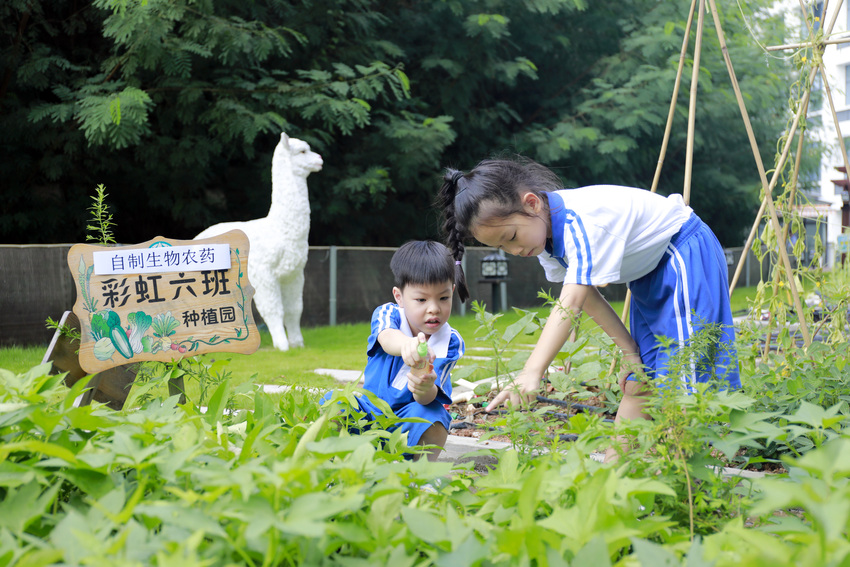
(585, 89)
(176, 105)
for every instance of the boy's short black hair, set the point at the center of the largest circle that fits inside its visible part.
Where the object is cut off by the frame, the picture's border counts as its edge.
(422, 262)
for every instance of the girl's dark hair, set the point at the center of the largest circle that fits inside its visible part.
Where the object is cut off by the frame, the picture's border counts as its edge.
(422, 262)
(498, 182)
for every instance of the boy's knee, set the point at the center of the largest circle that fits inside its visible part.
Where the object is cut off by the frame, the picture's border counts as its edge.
(434, 435)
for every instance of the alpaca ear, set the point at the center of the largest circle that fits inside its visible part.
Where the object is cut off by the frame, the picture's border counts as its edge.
(284, 139)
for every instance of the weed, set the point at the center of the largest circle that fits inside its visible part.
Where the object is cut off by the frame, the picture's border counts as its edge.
(499, 343)
(207, 376)
(100, 225)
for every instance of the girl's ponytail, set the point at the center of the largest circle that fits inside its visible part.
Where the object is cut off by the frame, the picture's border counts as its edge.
(454, 237)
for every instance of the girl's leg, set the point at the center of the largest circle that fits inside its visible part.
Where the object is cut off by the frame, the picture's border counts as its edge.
(635, 393)
(631, 407)
(434, 435)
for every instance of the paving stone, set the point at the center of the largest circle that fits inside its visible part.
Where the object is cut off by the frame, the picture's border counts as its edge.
(459, 450)
(341, 375)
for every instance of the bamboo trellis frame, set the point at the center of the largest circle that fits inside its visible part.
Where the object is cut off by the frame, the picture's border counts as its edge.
(767, 186)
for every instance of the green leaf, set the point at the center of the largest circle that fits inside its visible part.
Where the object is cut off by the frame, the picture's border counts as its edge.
(593, 554)
(115, 110)
(519, 327)
(23, 506)
(425, 525)
(649, 553)
(309, 436)
(218, 403)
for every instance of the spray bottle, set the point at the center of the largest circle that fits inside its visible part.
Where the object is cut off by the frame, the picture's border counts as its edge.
(423, 367)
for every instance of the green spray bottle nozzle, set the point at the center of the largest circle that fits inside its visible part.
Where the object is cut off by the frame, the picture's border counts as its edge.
(422, 351)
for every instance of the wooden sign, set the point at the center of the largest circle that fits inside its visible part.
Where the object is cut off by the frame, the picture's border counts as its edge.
(163, 300)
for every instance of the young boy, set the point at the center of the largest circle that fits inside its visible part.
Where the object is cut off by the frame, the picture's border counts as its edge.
(424, 274)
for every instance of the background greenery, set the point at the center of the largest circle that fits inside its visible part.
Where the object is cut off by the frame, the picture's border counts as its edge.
(176, 106)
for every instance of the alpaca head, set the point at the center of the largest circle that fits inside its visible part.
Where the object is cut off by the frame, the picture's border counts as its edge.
(304, 161)
(294, 157)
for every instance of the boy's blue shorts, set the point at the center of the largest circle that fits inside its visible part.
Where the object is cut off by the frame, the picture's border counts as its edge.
(433, 413)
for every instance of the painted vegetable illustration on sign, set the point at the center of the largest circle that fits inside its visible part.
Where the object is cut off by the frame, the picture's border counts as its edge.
(140, 322)
(110, 336)
(118, 336)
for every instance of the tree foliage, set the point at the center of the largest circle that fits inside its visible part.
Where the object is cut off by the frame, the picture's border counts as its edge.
(176, 105)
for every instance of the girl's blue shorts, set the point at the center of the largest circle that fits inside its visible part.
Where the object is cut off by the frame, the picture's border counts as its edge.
(687, 293)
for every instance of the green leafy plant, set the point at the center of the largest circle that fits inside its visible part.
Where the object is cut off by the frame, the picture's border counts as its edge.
(287, 482)
(499, 343)
(100, 224)
(207, 375)
(64, 330)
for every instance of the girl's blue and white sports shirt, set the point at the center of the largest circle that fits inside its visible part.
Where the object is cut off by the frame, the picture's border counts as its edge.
(386, 375)
(605, 234)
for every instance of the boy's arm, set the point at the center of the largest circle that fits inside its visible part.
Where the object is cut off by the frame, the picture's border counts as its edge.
(555, 333)
(396, 343)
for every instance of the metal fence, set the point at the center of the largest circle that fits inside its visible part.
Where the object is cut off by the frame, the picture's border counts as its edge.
(343, 285)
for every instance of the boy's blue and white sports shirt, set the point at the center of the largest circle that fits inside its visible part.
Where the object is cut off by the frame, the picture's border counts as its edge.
(605, 234)
(386, 375)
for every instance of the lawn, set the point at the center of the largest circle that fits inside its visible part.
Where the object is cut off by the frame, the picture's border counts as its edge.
(340, 347)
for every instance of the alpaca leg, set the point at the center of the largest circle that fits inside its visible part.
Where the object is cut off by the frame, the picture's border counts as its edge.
(292, 291)
(270, 305)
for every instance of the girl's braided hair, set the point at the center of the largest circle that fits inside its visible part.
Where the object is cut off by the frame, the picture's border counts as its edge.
(498, 182)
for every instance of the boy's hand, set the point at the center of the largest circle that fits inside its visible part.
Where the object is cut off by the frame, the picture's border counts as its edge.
(422, 387)
(410, 354)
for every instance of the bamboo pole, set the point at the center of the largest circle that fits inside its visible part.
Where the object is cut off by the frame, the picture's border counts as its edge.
(760, 213)
(671, 113)
(794, 176)
(835, 120)
(750, 238)
(769, 191)
(783, 253)
(757, 221)
(839, 40)
(692, 106)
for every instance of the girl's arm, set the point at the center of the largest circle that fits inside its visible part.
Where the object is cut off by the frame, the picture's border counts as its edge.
(555, 333)
(604, 316)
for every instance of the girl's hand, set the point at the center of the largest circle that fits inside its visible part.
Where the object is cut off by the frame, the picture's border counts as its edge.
(522, 390)
(632, 364)
(422, 387)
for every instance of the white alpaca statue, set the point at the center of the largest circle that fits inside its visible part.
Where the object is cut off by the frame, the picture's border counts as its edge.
(279, 242)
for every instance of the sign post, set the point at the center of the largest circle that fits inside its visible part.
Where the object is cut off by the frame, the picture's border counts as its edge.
(163, 300)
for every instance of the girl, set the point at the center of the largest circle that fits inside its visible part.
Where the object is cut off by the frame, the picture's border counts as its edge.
(593, 236)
